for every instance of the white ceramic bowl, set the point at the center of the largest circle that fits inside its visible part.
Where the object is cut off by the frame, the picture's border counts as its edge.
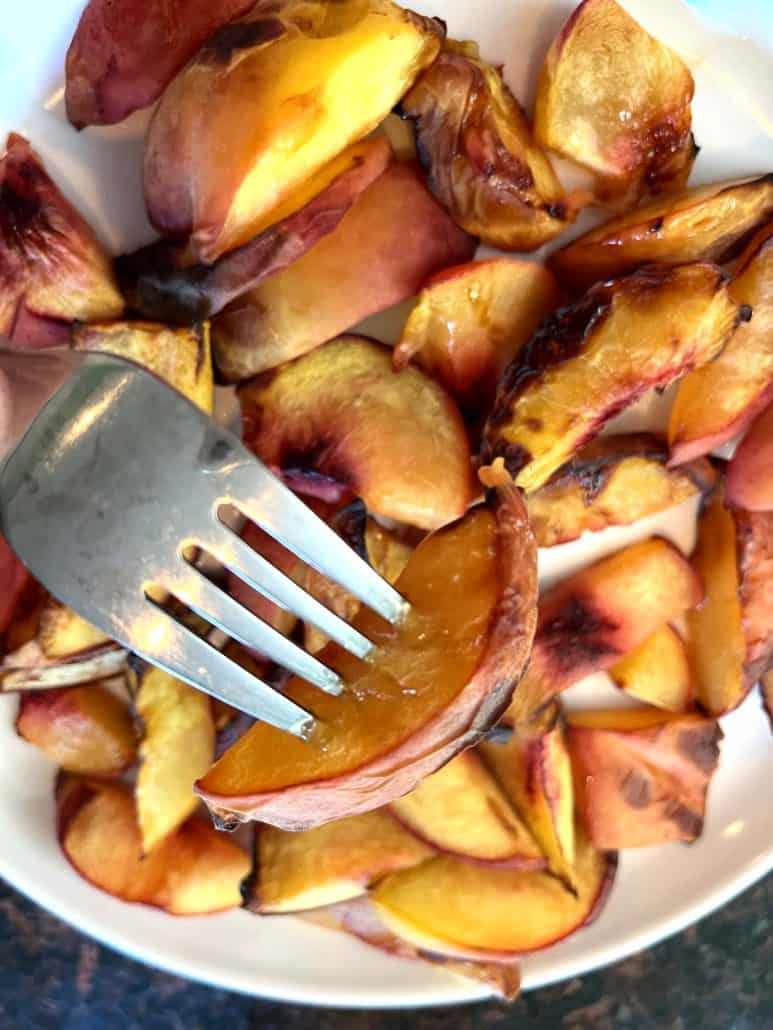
(658, 890)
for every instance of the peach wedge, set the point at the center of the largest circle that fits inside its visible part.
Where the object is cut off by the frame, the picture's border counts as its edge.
(707, 223)
(750, 473)
(441, 679)
(617, 101)
(383, 251)
(268, 101)
(720, 400)
(592, 359)
(194, 872)
(476, 147)
(613, 481)
(588, 622)
(657, 672)
(341, 411)
(642, 774)
(53, 270)
(123, 55)
(329, 864)
(471, 321)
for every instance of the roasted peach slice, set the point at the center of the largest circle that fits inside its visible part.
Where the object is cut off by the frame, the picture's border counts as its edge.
(161, 281)
(452, 907)
(82, 729)
(462, 811)
(383, 251)
(268, 101)
(53, 270)
(536, 775)
(178, 746)
(181, 357)
(657, 672)
(342, 411)
(195, 871)
(590, 360)
(730, 639)
(359, 919)
(437, 682)
(720, 400)
(123, 55)
(708, 223)
(613, 481)
(617, 101)
(750, 473)
(19, 602)
(642, 774)
(472, 320)
(62, 633)
(592, 619)
(476, 147)
(329, 864)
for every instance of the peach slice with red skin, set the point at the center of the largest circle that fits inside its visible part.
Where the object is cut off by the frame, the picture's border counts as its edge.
(53, 270)
(642, 774)
(461, 810)
(83, 729)
(161, 281)
(342, 411)
(267, 102)
(750, 473)
(19, 603)
(459, 909)
(195, 871)
(721, 400)
(329, 864)
(438, 681)
(595, 357)
(122, 56)
(471, 321)
(477, 149)
(394, 237)
(705, 223)
(591, 620)
(616, 100)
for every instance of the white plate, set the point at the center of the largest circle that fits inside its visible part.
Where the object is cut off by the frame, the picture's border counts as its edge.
(659, 890)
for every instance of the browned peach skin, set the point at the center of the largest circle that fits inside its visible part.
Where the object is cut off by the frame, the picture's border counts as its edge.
(161, 282)
(266, 103)
(195, 871)
(82, 729)
(657, 672)
(592, 619)
(616, 100)
(384, 249)
(471, 321)
(720, 400)
(595, 357)
(359, 918)
(642, 774)
(53, 270)
(295, 872)
(613, 481)
(750, 473)
(482, 163)
(461, 810)
(456, 908)
(440, 680)
(123, 55)
(706, 223)
(343, 412)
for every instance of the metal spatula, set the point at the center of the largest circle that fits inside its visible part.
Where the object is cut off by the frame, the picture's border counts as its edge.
(116, 478)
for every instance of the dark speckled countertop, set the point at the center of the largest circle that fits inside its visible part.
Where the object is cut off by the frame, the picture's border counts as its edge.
(717, 975)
